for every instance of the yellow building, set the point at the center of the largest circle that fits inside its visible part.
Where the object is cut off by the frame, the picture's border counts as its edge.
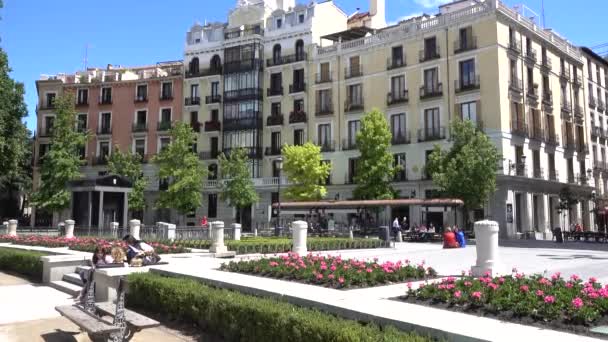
(277, 73)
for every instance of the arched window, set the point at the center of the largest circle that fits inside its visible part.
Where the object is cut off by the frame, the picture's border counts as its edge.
(276, 54)
(300, 50)
(193, 67)
(216, 63)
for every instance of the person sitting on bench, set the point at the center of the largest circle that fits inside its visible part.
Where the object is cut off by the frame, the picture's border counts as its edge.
(140, 253)
(449, 239)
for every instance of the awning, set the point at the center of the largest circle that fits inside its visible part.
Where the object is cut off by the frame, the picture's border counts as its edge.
(437, 202)
(350, 34)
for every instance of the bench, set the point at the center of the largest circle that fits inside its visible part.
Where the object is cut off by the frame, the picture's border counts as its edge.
(88, 315)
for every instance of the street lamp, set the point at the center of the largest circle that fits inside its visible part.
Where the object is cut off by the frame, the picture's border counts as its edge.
(279, 166)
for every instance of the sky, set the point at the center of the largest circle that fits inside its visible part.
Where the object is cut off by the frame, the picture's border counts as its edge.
(49, 37)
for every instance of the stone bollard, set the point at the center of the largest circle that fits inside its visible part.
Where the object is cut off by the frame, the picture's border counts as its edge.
(12, 227)
(255, 231)
(236, 228)
(114, 229)
(69, 229)
(134, 227)
(171, 228)
(5, 226)
(486, 244)
(218, 238)
(399, 237)
(299, 231)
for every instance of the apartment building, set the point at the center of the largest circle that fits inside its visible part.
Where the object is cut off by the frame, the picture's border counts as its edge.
(129, 108)
(292, 74)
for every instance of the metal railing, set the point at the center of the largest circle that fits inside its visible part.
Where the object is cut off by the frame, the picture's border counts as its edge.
(192, 101)
(465, 45)
(468, 84)
(431, 90)
(297, 117)
(394, 63)
(431, 133)
(429, 54)
(395, 97)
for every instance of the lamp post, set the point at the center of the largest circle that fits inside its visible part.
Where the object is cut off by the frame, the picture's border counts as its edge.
(279, 166)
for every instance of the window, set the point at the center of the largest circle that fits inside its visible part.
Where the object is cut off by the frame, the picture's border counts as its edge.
(551, 165)
(275, 142)
(430, 48)
(44, 148)
(398, 86)
(215, 88)
(214, 144)
(546, 87)
(50, 100)
(142, 92)
(298, 80)
(165, 115)
(353, 128)
(544, 55)
(140, 147)
(164, 142)
(81, 122)
(301, 18)
(106, 122)
(431, 80)
(216, 63)
(528, 46)
(466, 38)
(324, 104)
(324, 134)
(467, 73)
(275, 109)
(215, 115)
(352, 170)
(279, 23)
(212, 211)
(398, 128)
(167, 90)
(193, 67)
(104, 149)
(193, 118)
(276, 83)
(397, 55)
(49, 123)
(530, 78)
(431, 120)
(141, 117)
(325, 73)
(276, 54)
(298, 105)
(355, 67)
(194, 90)
(399, 160)
(83, 96)
(106, 95)
(468, 111)
(298, 137)
(300, 50)
(355, 94)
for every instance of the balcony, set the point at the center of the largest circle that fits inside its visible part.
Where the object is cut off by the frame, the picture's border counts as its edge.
(577, 81)
(104, 130)
(105, 101)
(139, 127)
(592, 101)
(566, 107)
(273, 151)
(274, 120)
(521, 170)
(400, 176)
(208, 155)
(530, 57)
(349, 144)
(324, 109)
(551, 138)
(47, 132)
(196, 126)
(467, 84)
(141, 98)
(565, 75)
(431, 134)
(519, 128)
(582, 180)
(213, 126)
(213, 99)
(514, 46)
(166, 96)
(578, 111)
(553, 175)
(397, 97)
(582, 148)
(426, 55)
(395, 63)
(323, 78)
(351, 105)
(536, 132)
(297, 88)
(465, 45)
(252, 152)
(546, 65)
(244, 123)
(82, 103)
(569, 144)
(274, 91)
(601, 107)
(401, 138)
(163, 126)
(596, 132)
(548, 101)
(282, 60)
(516, 85)
(532, 92)
(249, 31)
(428, 91)
(204, 72)
(599, 165)
(243, 94)
(327, 145)
(297, 117)
(192, 101)
(353, 71)
(243, 65)
(538, 173)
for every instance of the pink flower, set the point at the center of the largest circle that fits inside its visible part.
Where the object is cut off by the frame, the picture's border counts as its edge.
(457, 294)
(569, 285)
(369, 270)
(323, 267)
(273, 264)
(549, 299)
(539, 293)
(593, 280)
(468, 284)
(332, 268)
(501, 280)
(556, 276)
(524, 288)
(574, 277)
(476, 295)
(577, 303)
(331, 276)
(319, 276)
(341, 280)
(492, 286)
(409, 286)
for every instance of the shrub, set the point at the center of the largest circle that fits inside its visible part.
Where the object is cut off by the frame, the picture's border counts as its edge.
(23, 262)
(239, 317)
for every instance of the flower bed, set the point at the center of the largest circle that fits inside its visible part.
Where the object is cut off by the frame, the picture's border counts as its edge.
(238, 317)
(283, 245)
(567, 304)
(85, 244)
(27, 263)
(331, 271)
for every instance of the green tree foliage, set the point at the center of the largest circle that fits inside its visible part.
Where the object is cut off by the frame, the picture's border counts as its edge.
(62, 162)
(184, 171)
(237, 187)
(375, 170)
(303, 167)
(468, 170)
(129, 165)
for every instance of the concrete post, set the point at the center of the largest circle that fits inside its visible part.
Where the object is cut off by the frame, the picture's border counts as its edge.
(486, 235)
(236, 228)
(134, 226)
(350, 234)
(12, 227)
(300, 232)
(399, 237)
(218, 246)
(171, 228)
(69, 229)
(114, 229)
(5, 226)
(255, 231)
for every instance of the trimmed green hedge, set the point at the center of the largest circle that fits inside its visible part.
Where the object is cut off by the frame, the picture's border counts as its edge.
(239, 317)
(283, 245)
(23, 262)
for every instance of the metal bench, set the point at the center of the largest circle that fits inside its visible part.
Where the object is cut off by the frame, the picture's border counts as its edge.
(88, 315)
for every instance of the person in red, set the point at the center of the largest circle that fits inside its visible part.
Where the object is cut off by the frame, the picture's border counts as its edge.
(449, 239)
(204, 221)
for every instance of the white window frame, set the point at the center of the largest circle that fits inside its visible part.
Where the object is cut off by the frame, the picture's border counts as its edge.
(134, 145)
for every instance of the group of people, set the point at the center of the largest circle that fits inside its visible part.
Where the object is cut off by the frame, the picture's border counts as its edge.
(402, 225)
(454, 238)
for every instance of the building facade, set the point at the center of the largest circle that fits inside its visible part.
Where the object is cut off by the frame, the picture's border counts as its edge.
(127, 108)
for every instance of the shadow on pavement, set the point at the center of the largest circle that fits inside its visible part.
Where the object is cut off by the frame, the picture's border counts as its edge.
(572, 245)
(60, 336)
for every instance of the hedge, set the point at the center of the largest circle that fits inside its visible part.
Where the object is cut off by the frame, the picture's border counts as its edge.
(239, 317)
(22, 262)
(283, 245)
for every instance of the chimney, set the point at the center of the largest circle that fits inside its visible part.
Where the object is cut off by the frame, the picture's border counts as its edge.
(377, 10)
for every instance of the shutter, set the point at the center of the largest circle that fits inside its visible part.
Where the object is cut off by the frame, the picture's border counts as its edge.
(457, 112)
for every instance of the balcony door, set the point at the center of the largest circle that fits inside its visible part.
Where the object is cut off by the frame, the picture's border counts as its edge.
(353, 128)
(431, 79)
(398, 126)
(324, 135)
(467, 73)
(431, 121)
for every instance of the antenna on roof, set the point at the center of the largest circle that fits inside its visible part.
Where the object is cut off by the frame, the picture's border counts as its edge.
(86, 55)
(542, 12)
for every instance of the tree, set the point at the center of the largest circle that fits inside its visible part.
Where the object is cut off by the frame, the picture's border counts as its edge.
(15, 142)
(375, 170)
(237, 187)
(468, 170)
(184, 171)
(303, 167)
(129, 165)
(62, 162)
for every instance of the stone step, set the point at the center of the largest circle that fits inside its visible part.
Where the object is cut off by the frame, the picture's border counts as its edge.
(82, 268)
(66, 287)
(73, 278)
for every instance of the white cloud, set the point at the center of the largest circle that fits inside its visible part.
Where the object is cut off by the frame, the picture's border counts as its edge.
(405, 17)
(431, 3)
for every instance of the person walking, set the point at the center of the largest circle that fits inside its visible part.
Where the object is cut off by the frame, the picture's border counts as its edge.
(396, 227)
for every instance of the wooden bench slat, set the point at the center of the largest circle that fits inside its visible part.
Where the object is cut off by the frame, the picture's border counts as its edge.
(89, 323)
(131, 317)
